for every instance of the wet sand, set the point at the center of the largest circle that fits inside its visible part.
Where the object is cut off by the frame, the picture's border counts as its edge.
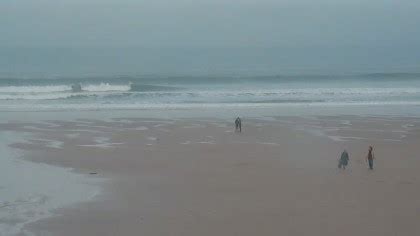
(278, 177)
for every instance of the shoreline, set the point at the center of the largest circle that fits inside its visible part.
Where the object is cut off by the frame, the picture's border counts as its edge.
(33, 191)
(406, 111)
(180, 171)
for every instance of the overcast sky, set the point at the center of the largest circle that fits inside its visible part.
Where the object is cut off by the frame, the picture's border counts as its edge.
(208, 36)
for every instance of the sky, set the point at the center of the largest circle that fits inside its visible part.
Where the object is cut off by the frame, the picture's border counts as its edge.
(185, 37)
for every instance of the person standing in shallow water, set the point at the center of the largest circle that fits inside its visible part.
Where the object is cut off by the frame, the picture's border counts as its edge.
(238, 125)
(344, 160)
(369, 158)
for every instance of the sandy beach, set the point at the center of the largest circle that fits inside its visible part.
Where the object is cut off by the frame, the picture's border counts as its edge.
(117, 118)
(198, 177)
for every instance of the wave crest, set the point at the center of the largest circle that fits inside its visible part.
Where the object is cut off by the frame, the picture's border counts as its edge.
(105, 87)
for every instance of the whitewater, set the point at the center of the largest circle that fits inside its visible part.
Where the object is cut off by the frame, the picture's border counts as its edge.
(189, 92)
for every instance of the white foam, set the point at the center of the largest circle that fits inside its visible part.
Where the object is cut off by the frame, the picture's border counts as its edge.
(407, 126)
(193, 126)
(101, 145)
(35, 128)
(64, 130)
(336, 138)
(241, 142)
(101, 142)
(72, 136)
(39, 96)
(53, 92)
(221, 125)
(125, 121)
(206, 142)
(268, 143)
(141, 128)
(392, 140)
(101, 139)
(343, 138)
(51, 143)
(165, 130)
(94, 126)
(35, 89)
(345, 122)
(105, 87)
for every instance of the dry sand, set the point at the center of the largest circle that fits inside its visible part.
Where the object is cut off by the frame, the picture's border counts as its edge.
(198, 178)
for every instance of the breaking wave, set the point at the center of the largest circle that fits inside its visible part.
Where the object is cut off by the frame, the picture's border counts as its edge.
(119, 94)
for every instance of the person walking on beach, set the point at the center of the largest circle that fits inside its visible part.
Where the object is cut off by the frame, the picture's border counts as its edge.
(238, 125)
(369, 158)
(344, 160)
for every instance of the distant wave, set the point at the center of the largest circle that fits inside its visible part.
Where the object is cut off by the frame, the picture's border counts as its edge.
(101, 87)
(167, 93)
(150, 88)
(35, 89)
(44, 96)
(174, 93)
(105, 87)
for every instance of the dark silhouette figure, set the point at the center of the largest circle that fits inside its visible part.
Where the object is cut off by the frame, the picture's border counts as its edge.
(370, 156)
(344, 160)
(238, 125)
(75, 88)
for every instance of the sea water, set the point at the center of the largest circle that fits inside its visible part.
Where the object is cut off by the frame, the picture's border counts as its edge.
(153, 92)
(32, 191)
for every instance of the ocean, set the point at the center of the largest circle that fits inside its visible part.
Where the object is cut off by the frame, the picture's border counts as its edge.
(150, 92)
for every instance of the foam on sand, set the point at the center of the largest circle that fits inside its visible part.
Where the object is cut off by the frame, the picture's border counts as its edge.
(141, 128)
(101, 142)
(268, 143)
(49, 143)
(31, 191)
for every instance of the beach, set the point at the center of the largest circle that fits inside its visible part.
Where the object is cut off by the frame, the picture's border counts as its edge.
(120, 118)
(196, 176)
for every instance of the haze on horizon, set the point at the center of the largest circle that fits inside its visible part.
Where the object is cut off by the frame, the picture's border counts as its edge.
(207, 37)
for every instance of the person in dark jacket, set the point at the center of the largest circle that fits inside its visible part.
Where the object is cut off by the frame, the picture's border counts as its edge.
(238, 125)
(344, 160)
(369, 158)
